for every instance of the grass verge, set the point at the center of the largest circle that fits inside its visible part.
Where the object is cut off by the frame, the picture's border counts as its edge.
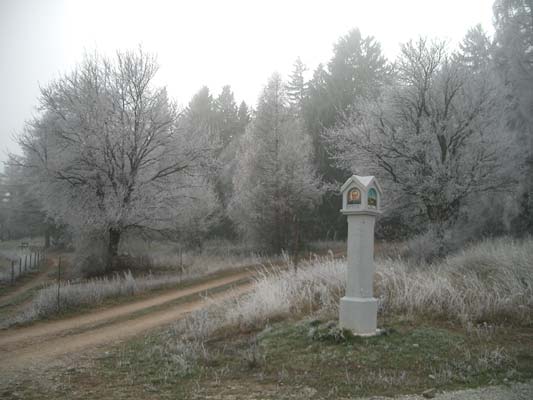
(289, 360)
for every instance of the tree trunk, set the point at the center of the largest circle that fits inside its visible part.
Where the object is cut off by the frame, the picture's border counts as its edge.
(47, 237)
(529, 182)
(112, 249)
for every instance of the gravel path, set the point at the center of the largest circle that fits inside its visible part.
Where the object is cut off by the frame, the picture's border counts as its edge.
(514, 391)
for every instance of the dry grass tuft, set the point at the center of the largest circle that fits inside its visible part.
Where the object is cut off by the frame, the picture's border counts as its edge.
(490, 283)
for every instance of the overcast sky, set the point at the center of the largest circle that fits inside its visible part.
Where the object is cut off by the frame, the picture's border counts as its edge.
(199, 43)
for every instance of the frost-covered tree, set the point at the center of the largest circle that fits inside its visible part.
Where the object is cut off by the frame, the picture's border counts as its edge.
(109, 152)
(276, 186)
(200, 114)
(230, 129)
(513, 54)
(244, 116)
(21, 213)
(297, 86)
(358, 69)
(434, 136)
(227, 118)
(476, 50)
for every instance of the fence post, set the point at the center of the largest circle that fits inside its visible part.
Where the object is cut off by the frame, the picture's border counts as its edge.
(30, 260)
(25, 262)
(20, 266)
(12, 272)
(58, 282)
(180, 253)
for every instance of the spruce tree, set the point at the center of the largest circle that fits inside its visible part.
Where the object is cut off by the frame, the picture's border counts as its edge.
(226, 115)
(297, 86)
(513, 52)
(275, 184)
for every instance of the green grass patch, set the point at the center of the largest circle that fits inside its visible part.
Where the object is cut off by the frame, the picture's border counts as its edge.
(289, 357)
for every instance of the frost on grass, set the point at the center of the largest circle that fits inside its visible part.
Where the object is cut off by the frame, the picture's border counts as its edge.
(89, 293)
(94, 291)
(491, 282)
(484, 286)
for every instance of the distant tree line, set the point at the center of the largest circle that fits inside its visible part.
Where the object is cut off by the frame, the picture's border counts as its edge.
(448, 132)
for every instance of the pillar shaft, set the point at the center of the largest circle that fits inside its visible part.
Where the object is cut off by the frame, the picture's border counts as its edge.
(360, 272)
(358, 308)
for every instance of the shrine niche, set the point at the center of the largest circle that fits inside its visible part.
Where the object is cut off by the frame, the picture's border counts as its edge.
(372, 198)
(354, 196)
(361, 194)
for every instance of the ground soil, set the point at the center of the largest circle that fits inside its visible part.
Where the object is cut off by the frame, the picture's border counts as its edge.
(42, 349)
(38, 343)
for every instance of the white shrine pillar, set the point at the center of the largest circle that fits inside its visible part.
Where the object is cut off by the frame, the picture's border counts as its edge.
(361, 197)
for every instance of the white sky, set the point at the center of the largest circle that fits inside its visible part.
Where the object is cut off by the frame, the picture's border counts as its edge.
(201, 42)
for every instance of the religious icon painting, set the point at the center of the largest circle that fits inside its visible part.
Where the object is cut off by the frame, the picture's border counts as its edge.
(372, 198)
(354, 196)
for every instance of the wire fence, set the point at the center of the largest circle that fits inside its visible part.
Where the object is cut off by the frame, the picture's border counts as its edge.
(24, 260)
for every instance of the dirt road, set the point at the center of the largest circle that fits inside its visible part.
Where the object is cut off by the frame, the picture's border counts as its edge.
(27, 346)
(39, 280)
(44, 341)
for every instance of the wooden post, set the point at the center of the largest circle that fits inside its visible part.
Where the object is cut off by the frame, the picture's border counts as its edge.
(180, 265)
(58, 283)
(20, 266)
(25, 262)
(12, 272)
(296, 247)
(30, 260)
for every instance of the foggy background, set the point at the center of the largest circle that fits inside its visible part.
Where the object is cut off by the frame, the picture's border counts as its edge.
(202, 42)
